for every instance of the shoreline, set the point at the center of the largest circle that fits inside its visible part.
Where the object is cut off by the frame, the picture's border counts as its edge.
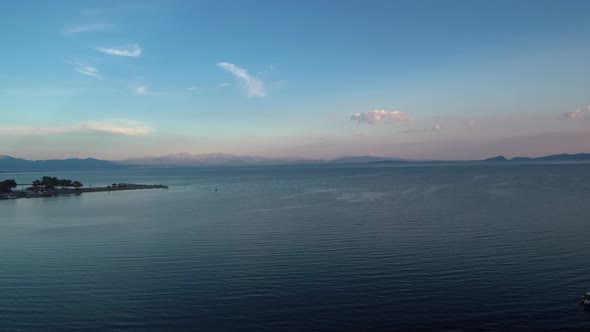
(16, 194)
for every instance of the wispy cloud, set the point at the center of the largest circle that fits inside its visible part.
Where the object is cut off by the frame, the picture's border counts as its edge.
(376, 116)
(116, 127)
(577, 114)
(422, 130)
(254, 86)
(74, 29)
(133, 51)
(88, 70)
(140, 90)
(471, 122)
(192, 88)
(223, 85)
(105, 127)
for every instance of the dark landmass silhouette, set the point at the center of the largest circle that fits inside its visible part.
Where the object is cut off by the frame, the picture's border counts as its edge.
(8, 163)
(11, 164)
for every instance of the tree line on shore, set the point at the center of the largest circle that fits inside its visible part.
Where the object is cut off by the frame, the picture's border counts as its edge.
(46, 183)
(51, 182)
(7, 185)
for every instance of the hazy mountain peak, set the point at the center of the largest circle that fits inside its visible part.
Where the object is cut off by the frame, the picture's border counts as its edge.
(497, 158)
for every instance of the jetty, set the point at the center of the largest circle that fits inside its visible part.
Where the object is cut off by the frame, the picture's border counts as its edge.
(118, 187)
(36, 190)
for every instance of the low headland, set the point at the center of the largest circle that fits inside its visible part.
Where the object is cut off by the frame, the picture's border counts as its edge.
(51, 186)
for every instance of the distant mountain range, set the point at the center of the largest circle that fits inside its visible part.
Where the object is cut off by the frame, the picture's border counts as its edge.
(578, 157)
(8, 163)
(210, 159)
(225, 159)
(551, 158)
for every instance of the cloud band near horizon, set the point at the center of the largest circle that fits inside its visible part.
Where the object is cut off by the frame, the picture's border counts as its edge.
(121, 127)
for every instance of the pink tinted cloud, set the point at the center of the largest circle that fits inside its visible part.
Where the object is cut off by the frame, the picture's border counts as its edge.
(376, 116)
(578, 114)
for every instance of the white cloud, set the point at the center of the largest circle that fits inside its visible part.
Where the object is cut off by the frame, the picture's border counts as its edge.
(254, 86)
(141, 90)
(106, 127)
(577, 114)
(433, 128)
(223, 85)
(88, 70)
(192, 88)
(133, 51)
(73, 29)
(376, 116)
(115, 127)
(471, 122)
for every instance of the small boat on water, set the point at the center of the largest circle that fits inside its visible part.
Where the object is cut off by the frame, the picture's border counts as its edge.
(585, 299)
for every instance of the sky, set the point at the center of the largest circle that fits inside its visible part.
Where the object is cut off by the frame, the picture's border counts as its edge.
(440, 79)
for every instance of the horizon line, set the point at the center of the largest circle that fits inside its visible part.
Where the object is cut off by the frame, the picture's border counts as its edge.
(325, 159)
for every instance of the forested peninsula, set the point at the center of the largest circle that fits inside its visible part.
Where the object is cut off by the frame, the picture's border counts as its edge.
(49, 186)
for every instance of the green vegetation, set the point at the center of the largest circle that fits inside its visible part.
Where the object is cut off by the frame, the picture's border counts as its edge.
(7, 185)
(51, 186)
(50, 182)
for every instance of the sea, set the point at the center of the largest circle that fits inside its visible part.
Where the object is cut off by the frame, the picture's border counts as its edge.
(497, 247)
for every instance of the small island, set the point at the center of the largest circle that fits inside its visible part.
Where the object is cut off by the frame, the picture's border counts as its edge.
(51, 186)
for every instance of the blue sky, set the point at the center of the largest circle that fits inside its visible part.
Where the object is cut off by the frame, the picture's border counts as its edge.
(416, 79)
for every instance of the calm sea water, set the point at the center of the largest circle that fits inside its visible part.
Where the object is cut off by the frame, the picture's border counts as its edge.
(302, 248)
